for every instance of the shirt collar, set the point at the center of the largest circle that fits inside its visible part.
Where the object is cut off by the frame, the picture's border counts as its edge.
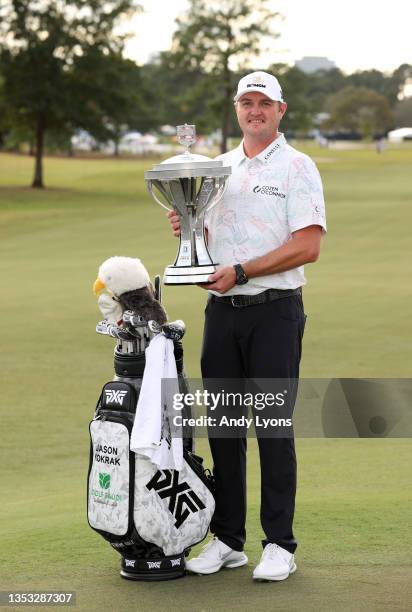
(272, 150)
(264, 156)
(239, 155)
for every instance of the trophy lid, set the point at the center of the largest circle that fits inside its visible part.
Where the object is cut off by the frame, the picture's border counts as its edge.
(188, 161)
(185, 157)
(187, 164)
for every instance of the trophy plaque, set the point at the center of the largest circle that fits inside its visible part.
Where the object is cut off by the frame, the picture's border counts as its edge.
(190, 185)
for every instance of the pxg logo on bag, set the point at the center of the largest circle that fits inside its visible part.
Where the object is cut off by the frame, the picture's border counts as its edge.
(153, 564)
(118, 395)
(115, 396)
(180, 495)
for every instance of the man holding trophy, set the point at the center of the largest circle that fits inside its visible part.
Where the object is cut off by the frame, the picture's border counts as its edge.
(267, 225)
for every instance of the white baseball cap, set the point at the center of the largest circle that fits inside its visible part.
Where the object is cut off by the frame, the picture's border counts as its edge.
(260, 81)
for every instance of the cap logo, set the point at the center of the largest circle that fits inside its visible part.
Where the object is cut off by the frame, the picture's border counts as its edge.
(260, 81)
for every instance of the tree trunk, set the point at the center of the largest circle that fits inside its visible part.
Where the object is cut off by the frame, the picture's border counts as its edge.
(227, 87)
(225, 120)
(38, 164)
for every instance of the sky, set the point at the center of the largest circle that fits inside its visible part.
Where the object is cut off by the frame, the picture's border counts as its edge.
(355, 34)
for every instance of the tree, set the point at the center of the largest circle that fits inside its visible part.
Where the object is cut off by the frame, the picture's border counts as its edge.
(322, 84)
(397, 81)
(3, 112)
(295, 88)
(372, 79)
(403, 113)
(217, 37)
(114, 100)
(386, 85)
(358, 109)
(40, 41)
(175, 92)
(184, 94)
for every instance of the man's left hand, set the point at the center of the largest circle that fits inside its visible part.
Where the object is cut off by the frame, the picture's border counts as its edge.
(222, 280)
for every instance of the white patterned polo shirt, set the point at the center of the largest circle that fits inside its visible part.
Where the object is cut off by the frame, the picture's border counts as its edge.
(267, 198)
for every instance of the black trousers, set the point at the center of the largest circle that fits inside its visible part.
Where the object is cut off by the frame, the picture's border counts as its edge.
(261, 341)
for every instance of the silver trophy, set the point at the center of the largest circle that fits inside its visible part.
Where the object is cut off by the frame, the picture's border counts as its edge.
(190, 185)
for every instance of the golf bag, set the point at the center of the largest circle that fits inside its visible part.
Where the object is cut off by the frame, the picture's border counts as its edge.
(152, 517)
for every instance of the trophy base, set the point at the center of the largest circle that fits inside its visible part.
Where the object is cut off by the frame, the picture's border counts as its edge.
(192, 275)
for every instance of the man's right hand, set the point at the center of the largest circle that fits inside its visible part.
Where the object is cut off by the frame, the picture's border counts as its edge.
(174, 222)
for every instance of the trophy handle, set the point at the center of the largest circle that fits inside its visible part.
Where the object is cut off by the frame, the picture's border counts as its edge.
(220, 192)
(154, 196)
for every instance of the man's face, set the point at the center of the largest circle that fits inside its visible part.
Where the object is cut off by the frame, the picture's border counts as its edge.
(258, 115)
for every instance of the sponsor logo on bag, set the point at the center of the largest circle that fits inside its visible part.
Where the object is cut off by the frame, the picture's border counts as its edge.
(120, 545)
(153, 564)
(174, 562)
(182, 500)
(130, 563)
(115, 396)
(104, 480)
(107, 497)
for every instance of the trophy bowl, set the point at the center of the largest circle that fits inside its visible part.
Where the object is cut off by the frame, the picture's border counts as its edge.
(191, 185)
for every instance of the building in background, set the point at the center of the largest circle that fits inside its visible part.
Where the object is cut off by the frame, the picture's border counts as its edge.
(311, 64)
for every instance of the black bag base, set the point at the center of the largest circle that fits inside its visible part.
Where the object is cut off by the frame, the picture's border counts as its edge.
(165, 568)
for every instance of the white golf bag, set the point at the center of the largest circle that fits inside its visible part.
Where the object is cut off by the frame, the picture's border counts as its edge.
(152, 517)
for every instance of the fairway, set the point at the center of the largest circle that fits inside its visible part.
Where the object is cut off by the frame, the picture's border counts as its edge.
(354, 496)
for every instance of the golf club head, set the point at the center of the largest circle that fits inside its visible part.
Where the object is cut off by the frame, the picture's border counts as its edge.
(154, 327)
(133, 320)
(110, 329)
(174, 330)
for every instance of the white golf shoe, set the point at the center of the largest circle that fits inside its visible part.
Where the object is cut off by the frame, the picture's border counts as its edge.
(276, 564)
(214, 556)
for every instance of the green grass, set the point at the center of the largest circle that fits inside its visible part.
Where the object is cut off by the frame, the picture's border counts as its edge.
(354, 496)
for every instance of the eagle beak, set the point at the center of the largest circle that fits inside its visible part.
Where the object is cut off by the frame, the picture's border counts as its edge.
(98, 286)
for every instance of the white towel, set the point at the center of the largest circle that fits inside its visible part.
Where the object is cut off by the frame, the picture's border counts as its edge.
(153, 433)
